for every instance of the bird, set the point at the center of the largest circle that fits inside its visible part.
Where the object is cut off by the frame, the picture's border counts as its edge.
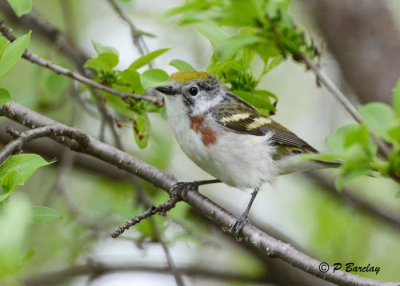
(229, 138)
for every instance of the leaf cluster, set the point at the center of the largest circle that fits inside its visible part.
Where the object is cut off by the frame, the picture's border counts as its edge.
(353, 144)
(241, 32)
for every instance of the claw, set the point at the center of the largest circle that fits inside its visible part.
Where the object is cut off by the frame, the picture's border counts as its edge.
(185, 187)
(238, 226)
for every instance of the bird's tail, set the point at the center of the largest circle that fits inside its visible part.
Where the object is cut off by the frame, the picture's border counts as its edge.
(293, 165)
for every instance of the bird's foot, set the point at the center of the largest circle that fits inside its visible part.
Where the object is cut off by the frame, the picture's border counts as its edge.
(238, 226)
(185, 187)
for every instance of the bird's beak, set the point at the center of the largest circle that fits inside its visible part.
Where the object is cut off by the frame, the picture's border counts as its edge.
(166, 89)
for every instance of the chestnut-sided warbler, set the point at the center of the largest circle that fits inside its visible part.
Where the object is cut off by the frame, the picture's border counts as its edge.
(229, 138)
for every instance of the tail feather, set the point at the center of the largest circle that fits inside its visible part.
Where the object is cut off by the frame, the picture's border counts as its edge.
(291, 165)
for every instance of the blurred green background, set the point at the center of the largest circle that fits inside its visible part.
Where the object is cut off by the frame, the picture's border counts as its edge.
(92, 203)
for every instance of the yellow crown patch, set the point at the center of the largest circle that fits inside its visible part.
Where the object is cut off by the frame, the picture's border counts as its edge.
(186, 76)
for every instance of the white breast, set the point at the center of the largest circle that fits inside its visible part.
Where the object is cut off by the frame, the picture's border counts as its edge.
(243, 161)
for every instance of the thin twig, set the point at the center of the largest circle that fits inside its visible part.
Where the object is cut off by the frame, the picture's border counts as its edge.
(137, 36)
(63, 71)
(222, 218)
(336, 92)
(144, 199)
(34, 21)
(160, 209)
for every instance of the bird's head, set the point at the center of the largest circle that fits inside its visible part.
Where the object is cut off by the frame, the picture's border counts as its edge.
(198, 91)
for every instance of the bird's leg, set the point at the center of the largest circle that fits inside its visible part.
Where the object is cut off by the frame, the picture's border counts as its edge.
(238, 226)
(185, 187)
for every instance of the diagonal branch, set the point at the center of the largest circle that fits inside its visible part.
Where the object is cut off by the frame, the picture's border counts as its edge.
(137, 36)
(47, 131)
(34, 21)
(251, 234)
(66, 72)
(336, 92)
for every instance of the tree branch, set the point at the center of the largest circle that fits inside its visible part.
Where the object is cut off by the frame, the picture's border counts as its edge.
(97, 268)
(364, 38)
(336, 92)
(353, 201)
(137, 36)
(144, 199)
(252, 235)
(63, 71)
(34, 21)
(160, 209)
(50, 131)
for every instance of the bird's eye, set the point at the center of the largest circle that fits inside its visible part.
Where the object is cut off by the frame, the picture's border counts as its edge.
(193, 91)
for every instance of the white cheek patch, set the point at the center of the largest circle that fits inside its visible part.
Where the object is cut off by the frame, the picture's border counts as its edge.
(203, 104)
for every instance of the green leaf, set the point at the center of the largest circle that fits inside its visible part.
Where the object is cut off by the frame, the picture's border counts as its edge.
(141, 129)
(244, 13)
(345, 178)
(53, 85)
(397, 195)
(336, 141)
(129, 81)
(4, 96)
(3, 45)
(181, 65)
(259, 99)
(213, 33)
(396, 98)
(379, 117)
(21, 7)
(100, 49)
(163, 112)
(17, 169)
(273, 7)
(233, 44)
(356, 163)
(146, 59)
(13, 53)
(181, 9)
(10, 182)
(14, 229)
(40, 214)
(394, 133)
(103, 62)
(361, 137)
(153, 77)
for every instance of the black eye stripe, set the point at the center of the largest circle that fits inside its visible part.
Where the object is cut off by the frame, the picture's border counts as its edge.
(193, 91)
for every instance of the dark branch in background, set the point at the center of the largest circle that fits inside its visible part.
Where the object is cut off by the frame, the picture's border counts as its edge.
(103, 167)
(34, 21)
(283, 273)
(145, 200)
(98, 268)
(66, 164)
(63, 71)
(365, 40)
(137, 36)
(251, 235)
(353, 201)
